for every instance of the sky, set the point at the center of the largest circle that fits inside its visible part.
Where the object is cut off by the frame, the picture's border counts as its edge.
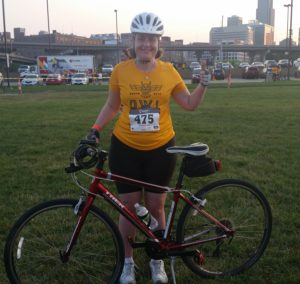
(190, 20)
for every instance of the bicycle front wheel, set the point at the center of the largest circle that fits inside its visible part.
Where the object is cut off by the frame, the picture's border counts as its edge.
(32, 251)
(238, 205)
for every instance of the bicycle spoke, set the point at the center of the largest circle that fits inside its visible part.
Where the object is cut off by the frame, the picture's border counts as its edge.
(33, 251)
(238, 206)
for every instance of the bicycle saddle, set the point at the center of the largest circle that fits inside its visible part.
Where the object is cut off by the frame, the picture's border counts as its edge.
(196, 149)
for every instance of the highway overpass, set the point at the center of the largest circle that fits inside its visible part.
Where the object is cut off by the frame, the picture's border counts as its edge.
(30, 50)
(18, 58)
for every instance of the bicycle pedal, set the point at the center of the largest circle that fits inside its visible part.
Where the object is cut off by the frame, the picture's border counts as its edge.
(200, 258)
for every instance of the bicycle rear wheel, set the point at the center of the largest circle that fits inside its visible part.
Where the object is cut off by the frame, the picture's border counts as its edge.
(32, 250)
(238, 205)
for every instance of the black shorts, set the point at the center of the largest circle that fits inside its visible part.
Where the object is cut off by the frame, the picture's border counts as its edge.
(153, 166)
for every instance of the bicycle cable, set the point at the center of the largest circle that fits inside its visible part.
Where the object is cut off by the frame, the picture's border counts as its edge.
(77, 182)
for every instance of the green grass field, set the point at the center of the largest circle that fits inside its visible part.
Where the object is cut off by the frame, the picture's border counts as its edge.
(252, 128)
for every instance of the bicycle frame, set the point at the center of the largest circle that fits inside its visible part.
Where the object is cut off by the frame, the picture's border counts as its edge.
(166, 245)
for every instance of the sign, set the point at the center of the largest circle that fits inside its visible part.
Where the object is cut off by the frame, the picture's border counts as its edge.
(65, 64)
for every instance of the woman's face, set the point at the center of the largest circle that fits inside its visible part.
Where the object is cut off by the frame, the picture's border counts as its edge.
(145, 46)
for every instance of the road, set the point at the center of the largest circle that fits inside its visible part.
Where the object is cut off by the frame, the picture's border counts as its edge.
(187, 81)
(238, 80)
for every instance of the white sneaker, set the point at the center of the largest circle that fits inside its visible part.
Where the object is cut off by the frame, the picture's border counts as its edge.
(158, 273)
(128, 274)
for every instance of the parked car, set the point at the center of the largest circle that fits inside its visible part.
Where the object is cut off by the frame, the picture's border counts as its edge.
(196, 75)
(297, 62)
(219, 74)
(194, 65)
(258, 64)
(25, 73)
(32, 80)
(244, 64)
(54, 79)
(23, 68)
(107, 69)
(283, 63)
(250, 72)
(227, 65)
(268, 62)
(79, 79)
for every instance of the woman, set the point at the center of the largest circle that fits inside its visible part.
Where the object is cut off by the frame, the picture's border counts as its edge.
(143, 86)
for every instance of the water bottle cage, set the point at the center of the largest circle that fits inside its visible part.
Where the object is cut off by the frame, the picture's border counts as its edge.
(146, 219)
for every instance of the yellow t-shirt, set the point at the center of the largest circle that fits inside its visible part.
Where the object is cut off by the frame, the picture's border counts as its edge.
(145, 121)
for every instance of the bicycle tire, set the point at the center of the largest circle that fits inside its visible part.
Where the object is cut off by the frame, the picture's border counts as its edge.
(237, 204)
(32, 250)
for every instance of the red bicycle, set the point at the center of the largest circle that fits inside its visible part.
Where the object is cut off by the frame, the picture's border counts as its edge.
(222, 230)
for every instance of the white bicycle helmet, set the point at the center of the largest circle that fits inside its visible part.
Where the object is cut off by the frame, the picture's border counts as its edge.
(147, 23)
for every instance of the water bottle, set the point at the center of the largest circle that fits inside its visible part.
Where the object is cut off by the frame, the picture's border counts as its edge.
(143, 213)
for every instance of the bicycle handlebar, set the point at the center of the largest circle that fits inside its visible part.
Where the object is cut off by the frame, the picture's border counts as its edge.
(88, 142)
(84, 157)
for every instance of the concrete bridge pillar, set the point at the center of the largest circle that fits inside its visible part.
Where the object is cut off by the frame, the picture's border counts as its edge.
(98, 60)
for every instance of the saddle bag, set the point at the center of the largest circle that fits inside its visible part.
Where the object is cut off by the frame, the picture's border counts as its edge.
(199, 166)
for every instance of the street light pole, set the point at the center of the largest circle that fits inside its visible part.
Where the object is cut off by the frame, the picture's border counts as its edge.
(117, 34)
(287, 23)
(290, 39)
(48, 24)
(291, 24)
(5, 45)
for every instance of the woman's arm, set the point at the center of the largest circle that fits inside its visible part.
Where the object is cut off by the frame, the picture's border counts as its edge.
(108, 111)
(190, 101)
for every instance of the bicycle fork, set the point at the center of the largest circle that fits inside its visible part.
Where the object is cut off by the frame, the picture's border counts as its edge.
(64, 255)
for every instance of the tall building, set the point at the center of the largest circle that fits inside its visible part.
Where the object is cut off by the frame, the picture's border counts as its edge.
(19, 34)
(234, 33)
(265, 12)
(263, 33)
(2, 36)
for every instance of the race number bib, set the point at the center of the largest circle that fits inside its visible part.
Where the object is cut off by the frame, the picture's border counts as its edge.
(146, 119)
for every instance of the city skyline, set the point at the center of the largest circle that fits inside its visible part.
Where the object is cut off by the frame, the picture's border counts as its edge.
(265, 12)
(88, 17)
